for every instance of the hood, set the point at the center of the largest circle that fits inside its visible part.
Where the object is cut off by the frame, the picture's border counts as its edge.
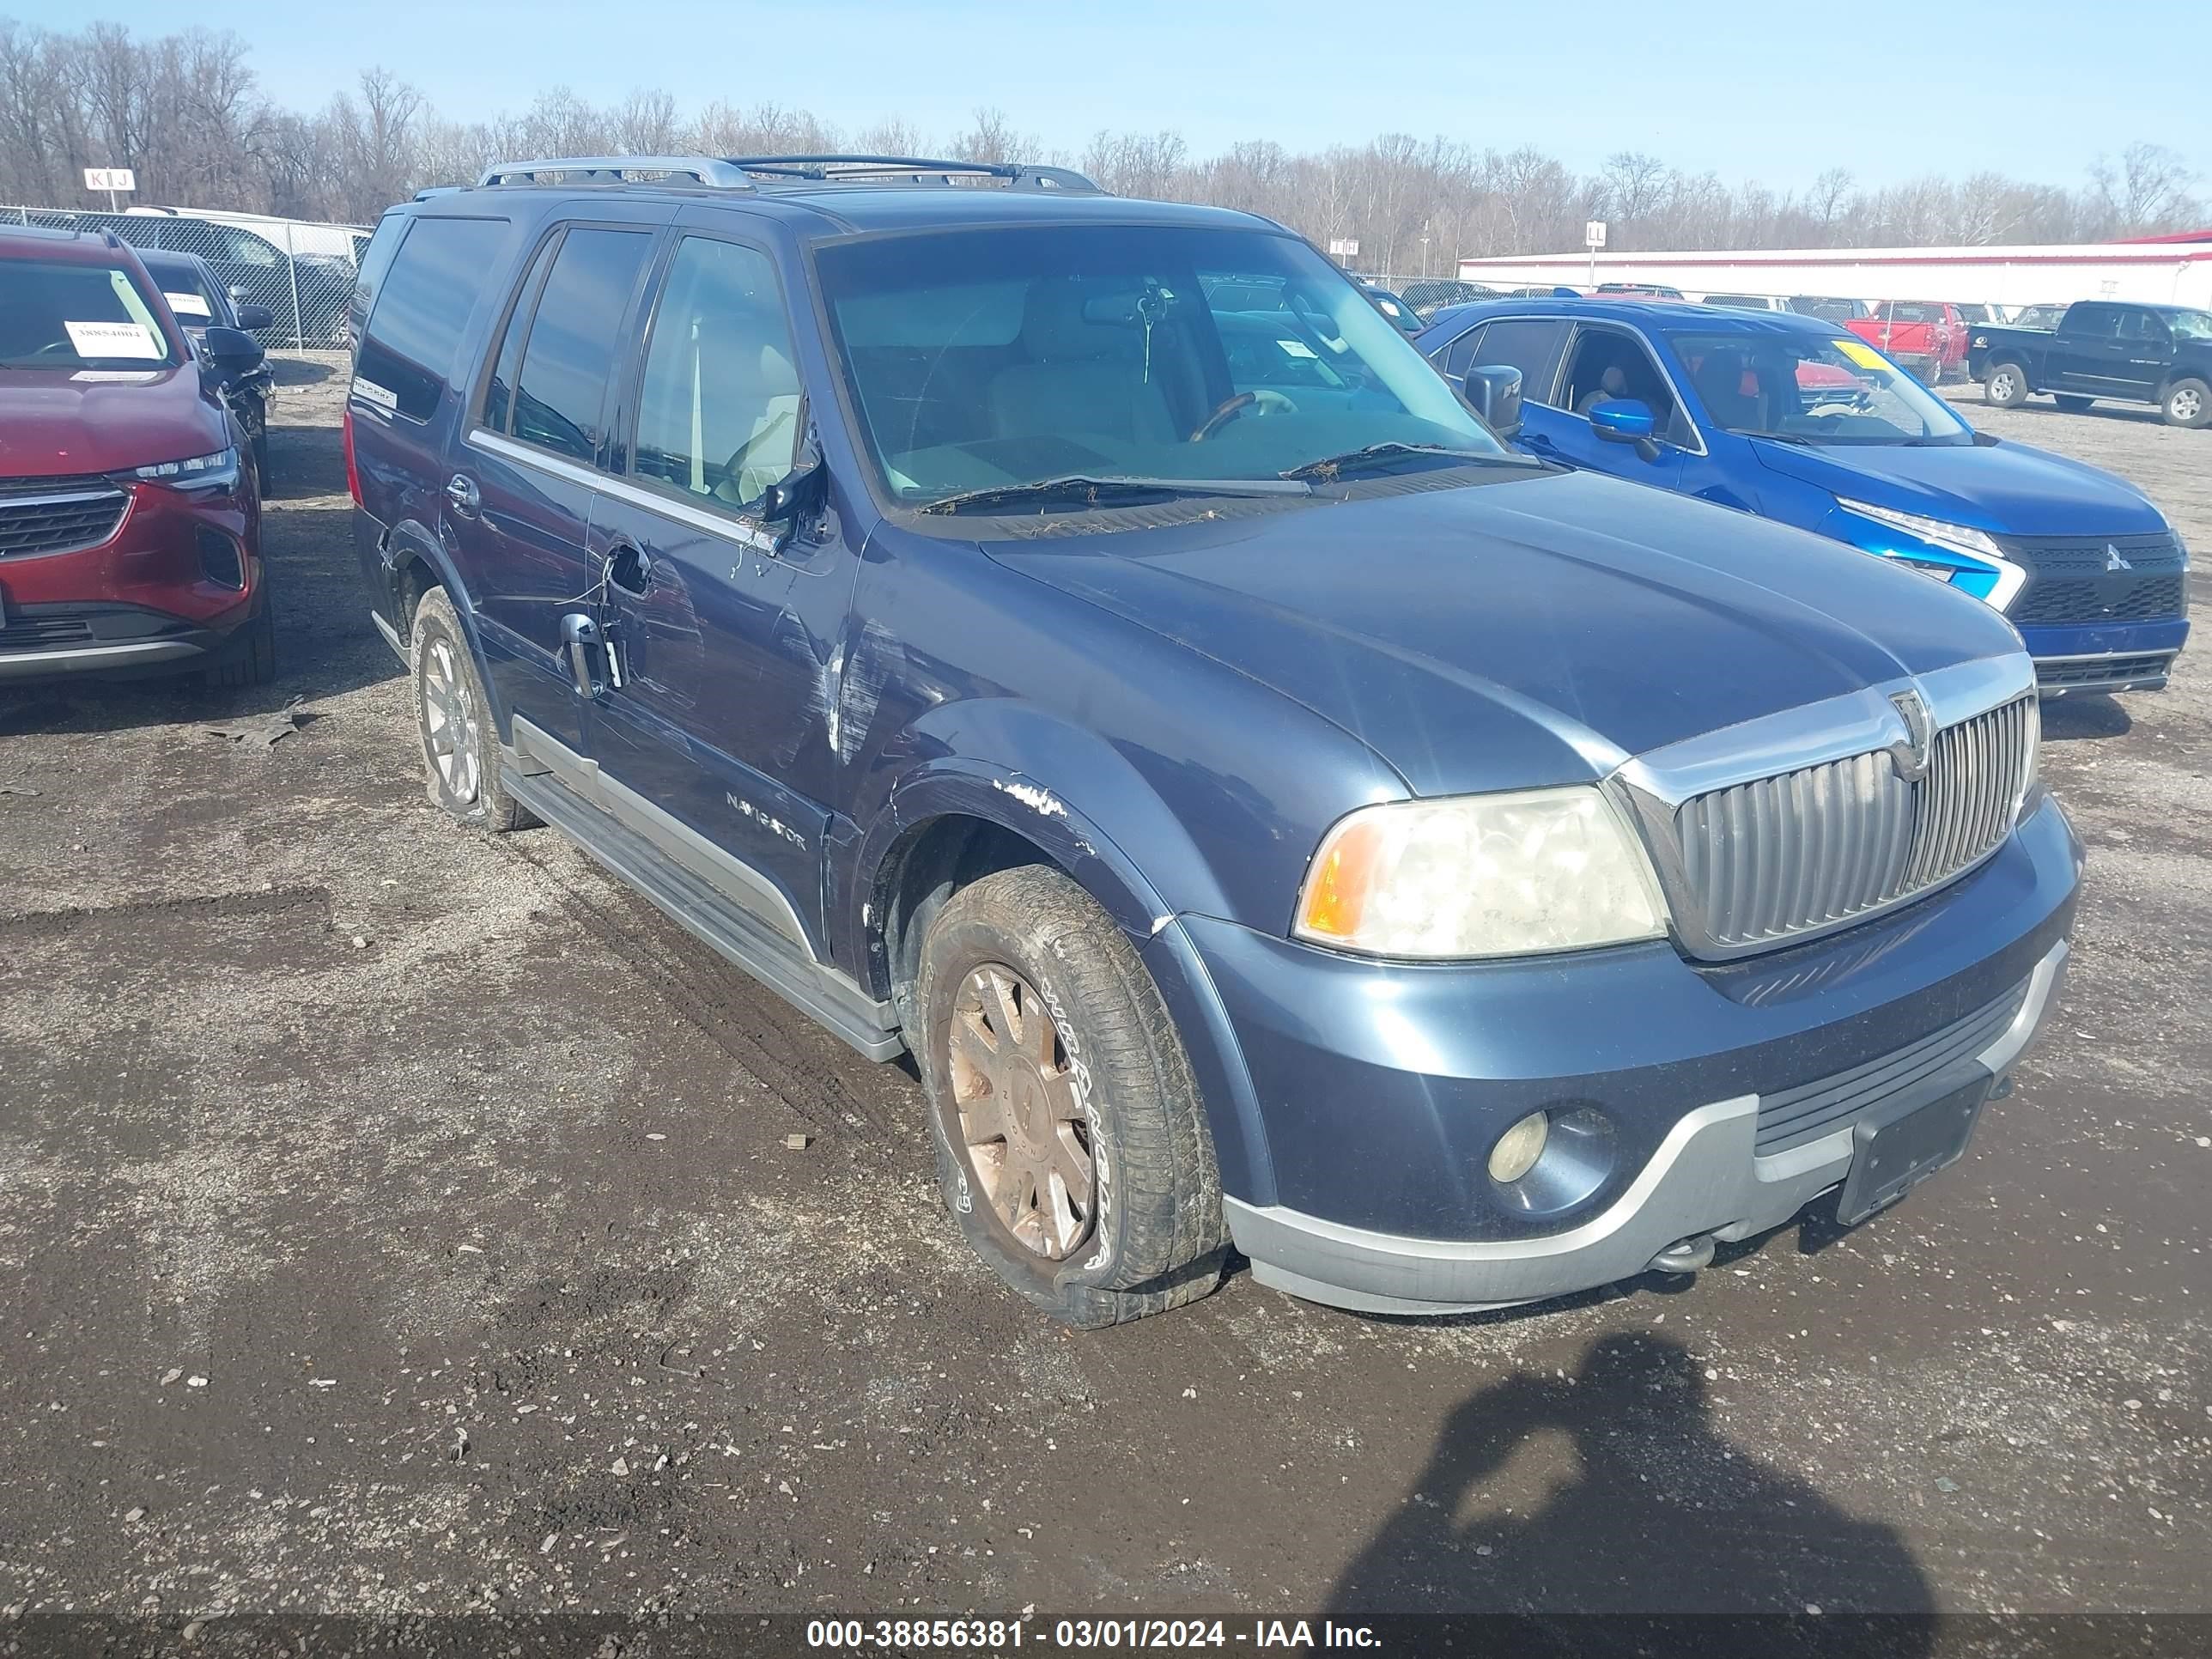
(2005, 488)
(1526, 630)
(58, 422)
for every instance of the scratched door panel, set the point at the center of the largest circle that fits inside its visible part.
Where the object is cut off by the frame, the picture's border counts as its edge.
(720, 719)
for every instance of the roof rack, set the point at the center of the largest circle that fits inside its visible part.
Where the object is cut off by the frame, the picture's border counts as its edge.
(749, 172)
(614, 169)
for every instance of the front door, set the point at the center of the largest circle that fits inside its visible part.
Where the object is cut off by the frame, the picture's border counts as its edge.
(519, 491)
(1606, 364)
(725, 636)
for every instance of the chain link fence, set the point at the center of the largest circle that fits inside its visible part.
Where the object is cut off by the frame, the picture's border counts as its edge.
(1425, 296)
(303, 272)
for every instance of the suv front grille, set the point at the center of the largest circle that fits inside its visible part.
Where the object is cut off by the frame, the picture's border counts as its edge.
(2097, 579)
(58, 515)
(1802, 850)
(1791, 1117)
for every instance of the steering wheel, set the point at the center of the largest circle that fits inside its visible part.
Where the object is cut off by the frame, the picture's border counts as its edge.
(1263, 402)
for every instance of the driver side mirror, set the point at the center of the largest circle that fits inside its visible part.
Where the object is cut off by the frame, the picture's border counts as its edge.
(1626, 421)
(1494, 392)
(797, 493)
(232, 351)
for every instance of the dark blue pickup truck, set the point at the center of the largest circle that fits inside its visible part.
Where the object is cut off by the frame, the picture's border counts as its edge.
(1080, 643)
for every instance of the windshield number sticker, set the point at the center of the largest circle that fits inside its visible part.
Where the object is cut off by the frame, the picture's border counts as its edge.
(1863, 355)
(188, 305)
(1295, 348)
(113, 340)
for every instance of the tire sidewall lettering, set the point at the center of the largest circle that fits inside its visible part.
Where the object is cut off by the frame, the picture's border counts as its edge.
(1079, 1068)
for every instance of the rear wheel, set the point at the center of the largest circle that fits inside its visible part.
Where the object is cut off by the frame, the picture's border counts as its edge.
(453, 716)
(2072, 402)
(2007, 386)
(2187, 403)
(1071, 1144)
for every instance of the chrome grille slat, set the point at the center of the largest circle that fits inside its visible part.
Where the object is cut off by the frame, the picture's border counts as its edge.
(1774, 857)
(58, 515)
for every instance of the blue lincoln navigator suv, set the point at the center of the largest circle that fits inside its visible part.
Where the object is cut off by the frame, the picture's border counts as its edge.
(1797, 420)
(1081, 644)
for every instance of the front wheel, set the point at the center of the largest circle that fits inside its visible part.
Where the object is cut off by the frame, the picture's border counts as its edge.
(2007, 386)
(2072, 402)
(2187, 403)
(1072, 1147)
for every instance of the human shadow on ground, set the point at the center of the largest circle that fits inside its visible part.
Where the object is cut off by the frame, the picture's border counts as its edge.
(1665, 1520)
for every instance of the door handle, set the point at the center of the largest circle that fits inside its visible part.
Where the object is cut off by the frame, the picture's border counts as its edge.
(580, 635)
(461, 491)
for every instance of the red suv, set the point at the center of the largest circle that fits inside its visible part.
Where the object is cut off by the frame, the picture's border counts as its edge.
(129, 513)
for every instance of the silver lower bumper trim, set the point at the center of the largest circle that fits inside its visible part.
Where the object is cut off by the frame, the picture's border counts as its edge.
(1706, 1178)
(88, 658)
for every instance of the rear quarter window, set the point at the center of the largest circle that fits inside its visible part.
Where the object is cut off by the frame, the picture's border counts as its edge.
(422, 308)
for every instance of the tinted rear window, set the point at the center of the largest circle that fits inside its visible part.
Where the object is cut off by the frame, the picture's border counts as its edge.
(1529, 345)
(423, 306)
(570, 352)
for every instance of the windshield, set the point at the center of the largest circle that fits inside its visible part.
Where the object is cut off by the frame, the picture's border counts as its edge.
(1909, 311)
(1814, 389)
(2189, 324)
(981, 359)
(1828, 311)
(57, 315)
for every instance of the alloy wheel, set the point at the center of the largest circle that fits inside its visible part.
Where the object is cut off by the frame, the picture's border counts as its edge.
(1017, 1120)
(449, 721)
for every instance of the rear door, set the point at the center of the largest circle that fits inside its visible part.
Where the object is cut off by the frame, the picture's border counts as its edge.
(724, 629)
(2084, 353)
(1531, 345)
(519, 483)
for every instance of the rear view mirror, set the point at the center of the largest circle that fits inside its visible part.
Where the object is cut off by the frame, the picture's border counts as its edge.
(795, 494)
(1494, 392)
(253, 314)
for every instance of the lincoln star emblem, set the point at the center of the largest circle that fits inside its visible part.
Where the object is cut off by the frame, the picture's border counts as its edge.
(1910, 756)
(2113, 560)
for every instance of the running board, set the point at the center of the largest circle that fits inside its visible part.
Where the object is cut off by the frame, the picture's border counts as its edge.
(726, 928)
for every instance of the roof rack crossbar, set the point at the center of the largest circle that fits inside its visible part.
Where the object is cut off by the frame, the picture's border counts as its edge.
(612, 169)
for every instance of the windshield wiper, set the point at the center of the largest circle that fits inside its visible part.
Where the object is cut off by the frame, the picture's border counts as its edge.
(1329, 466)
(1798, 438)
(1084, 491)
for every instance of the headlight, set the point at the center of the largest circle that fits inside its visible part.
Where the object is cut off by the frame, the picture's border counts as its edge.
(215, 471)
(1965, 537)
(1481, 876)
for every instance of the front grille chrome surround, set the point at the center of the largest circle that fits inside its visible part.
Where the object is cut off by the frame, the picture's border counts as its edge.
(1802, 823)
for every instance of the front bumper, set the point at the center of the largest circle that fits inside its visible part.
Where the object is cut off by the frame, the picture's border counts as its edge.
(1706, 1180)
(1377, 1091)
(2106, 656)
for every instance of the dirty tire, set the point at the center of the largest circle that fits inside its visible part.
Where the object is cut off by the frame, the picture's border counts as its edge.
(1155, 1237)
(2072, 402)
(250, 660)
(2187, 403)
(2007, 386)
(449, 699)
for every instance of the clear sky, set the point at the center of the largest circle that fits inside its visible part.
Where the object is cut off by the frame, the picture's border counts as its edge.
(1776, 91)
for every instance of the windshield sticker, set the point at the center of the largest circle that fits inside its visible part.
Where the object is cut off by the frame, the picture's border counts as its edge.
(1295, 348)
(188, 305)
(114, 340)
(375, 396)
(117, 376)
(1863, 354)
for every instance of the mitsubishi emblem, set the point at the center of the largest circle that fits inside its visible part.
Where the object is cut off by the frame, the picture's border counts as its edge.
(1909, 758)
(2113, 562)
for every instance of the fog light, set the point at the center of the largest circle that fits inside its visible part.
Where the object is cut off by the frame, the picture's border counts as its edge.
(220, 559)
(1519, 1147)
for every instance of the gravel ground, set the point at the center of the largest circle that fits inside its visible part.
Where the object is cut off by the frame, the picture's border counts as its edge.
(393, 1219)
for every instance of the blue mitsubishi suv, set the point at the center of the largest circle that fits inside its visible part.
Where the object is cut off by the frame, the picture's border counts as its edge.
(1080, 643)
(1799, 421)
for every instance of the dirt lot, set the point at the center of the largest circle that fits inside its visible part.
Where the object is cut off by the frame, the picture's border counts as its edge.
(392, 1219)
